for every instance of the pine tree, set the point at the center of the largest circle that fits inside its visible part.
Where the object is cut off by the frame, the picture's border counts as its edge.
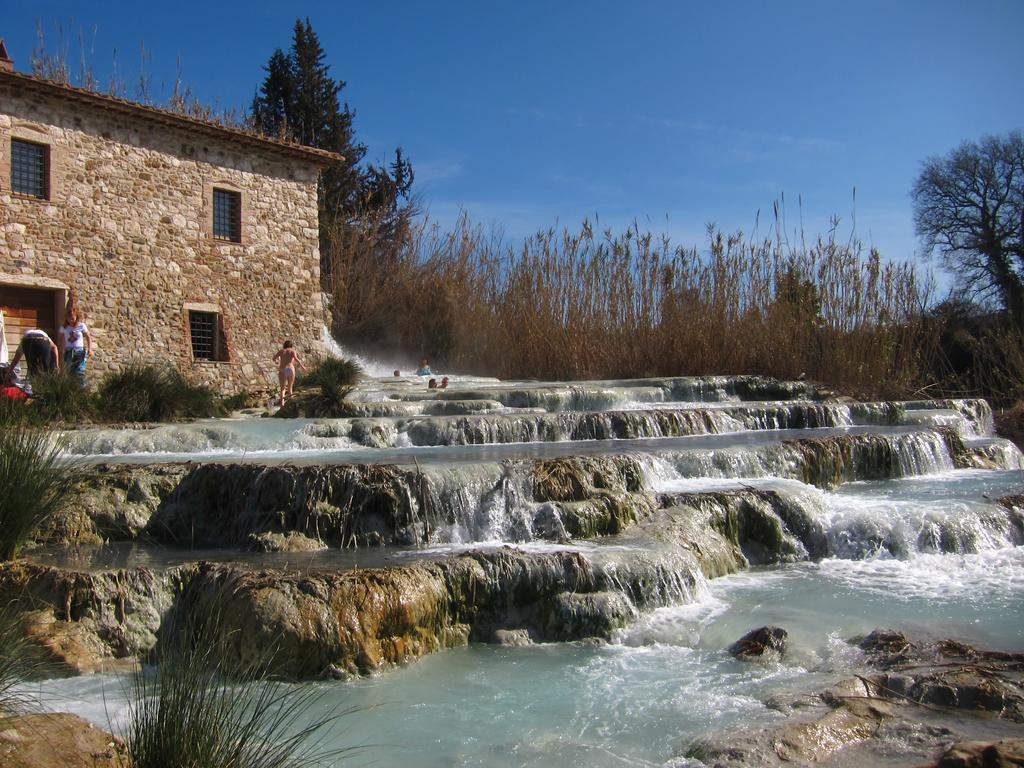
(299, 101)
(270, 108)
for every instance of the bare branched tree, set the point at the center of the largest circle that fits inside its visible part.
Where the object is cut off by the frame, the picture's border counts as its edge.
(969, 208)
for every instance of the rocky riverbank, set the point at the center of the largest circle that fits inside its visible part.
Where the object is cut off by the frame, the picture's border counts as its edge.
(333, 621)
(941, 704)
(337, 623)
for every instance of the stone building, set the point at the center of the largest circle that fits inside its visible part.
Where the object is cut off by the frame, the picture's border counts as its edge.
(183, 240)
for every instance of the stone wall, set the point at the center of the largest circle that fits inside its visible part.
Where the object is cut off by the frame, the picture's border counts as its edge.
(128, 227)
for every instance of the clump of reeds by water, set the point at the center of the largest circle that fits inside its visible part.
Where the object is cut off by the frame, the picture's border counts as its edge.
(154, 393)
(59, 398)
(35, 483)
(199, 706)
(18, 662)
(587, 304)
(324, 389)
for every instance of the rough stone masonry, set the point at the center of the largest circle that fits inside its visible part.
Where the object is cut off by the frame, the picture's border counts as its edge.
(126, 222)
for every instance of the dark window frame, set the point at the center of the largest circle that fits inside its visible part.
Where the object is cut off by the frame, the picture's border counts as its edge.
(227, 215)
(32, 181)
(206, 336)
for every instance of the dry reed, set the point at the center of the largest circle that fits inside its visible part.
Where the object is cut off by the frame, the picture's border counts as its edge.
(580, 304)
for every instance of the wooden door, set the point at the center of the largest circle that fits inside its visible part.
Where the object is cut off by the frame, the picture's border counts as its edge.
(26, 308)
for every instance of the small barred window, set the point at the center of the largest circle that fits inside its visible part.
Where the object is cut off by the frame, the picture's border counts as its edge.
(207, 336)
(30, 169)
(227, 215)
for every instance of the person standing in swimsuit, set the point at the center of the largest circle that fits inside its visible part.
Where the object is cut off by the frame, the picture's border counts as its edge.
(287, 358)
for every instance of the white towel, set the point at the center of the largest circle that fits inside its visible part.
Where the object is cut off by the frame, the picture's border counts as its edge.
(3, 341)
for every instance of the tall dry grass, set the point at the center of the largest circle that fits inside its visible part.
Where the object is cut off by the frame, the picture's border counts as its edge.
(585, 304)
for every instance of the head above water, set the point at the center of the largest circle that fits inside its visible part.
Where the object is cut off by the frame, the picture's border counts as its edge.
(397, 372)
(432, 384)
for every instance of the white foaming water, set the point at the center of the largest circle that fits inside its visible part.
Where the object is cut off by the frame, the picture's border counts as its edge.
(458, 548)
(211, 437)
(929, 553)
(949, 512)
(375, 368)
(935, 417)
(1001, 452)
(997, 574)
(385, 369)
(659, 685)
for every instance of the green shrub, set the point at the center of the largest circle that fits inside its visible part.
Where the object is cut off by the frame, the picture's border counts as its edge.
(34, 483)
(239, 400)
(332, 372)
(155, 393)
(18, 662)
(334, 379)
(59, 397)
(198, 707)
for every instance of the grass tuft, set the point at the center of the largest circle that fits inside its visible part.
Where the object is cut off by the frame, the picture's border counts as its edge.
(334, 379)
(59, 397)
(332, 371)
(18, 662)
(240, 400)
(155, 393)
(35, 483)
(197, 707)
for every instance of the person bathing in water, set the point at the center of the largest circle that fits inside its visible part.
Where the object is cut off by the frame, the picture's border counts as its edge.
(287, 358)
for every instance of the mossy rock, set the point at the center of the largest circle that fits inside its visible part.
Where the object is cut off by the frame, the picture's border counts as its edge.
(576, 478)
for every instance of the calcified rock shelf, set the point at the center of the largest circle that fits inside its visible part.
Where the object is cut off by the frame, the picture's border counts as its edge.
(515, 514)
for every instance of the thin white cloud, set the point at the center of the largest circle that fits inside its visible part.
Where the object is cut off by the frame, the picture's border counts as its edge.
(436, 170)
(741, 134)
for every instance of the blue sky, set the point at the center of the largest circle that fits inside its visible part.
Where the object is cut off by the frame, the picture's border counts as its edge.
(675, 114)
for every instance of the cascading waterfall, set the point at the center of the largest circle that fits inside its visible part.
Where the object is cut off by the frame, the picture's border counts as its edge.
(491, 428)
(370, 366)
(664, 516)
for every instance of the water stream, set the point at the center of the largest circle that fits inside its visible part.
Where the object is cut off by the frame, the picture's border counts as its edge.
(903, 539)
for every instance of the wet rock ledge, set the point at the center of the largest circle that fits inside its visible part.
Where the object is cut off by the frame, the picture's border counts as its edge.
(337, 623)
(941, 704)
(251, 506)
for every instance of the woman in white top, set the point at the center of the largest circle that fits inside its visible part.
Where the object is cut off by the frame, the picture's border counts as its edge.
(76, 344)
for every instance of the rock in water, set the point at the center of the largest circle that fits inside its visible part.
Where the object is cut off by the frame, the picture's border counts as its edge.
(978, 754)
(764, 644)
